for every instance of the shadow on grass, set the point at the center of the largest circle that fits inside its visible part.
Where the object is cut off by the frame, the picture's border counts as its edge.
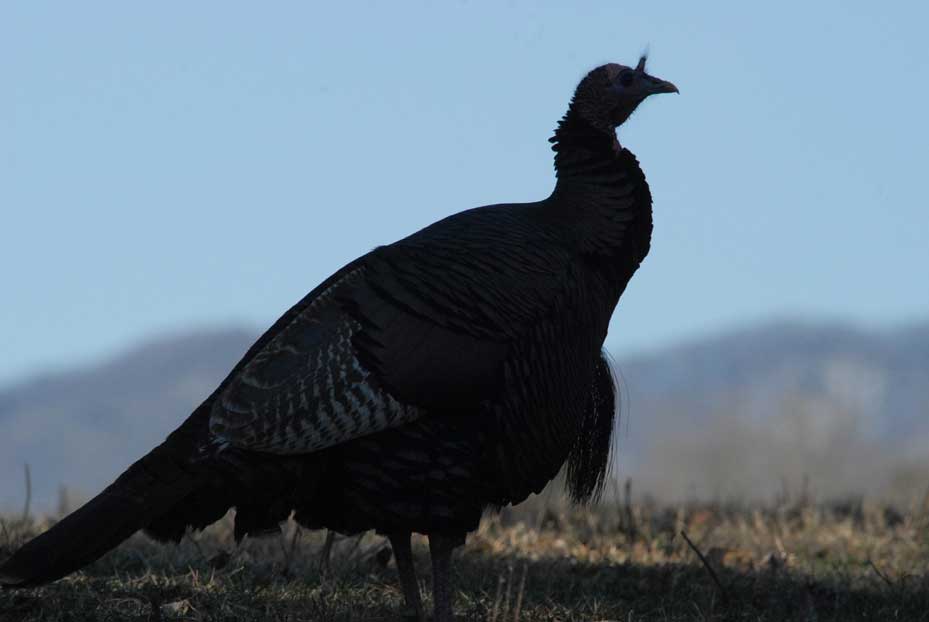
(565, 589)
(145, 581)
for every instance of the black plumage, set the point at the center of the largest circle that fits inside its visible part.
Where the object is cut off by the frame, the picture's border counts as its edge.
(454, 370)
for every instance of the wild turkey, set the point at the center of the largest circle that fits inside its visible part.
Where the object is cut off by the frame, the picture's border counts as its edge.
(454, 370)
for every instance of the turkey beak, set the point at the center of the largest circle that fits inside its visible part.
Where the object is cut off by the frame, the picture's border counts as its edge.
(655, 85)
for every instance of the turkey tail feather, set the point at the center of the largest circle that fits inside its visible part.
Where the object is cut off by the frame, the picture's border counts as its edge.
(145, 491)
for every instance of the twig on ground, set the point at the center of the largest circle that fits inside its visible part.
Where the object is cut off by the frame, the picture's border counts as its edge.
(7, 539)
(543, 509)
(326, 553)
(509, 588)
(498, 597)
(877, 570)
(289, 553)
(629, 519)
(522, 591)
(924, 505)
(28, 492)
(722, 591)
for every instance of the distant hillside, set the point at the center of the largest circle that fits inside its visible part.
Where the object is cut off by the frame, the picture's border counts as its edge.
(753, 411)
(744, 413)
(81, 428)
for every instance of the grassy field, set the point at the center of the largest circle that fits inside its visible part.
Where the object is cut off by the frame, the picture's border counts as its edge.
(792, 560)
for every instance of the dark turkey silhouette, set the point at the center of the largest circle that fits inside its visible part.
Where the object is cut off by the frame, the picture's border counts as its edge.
(457, 369)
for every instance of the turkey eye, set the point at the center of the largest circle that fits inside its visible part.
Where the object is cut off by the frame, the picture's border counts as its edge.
(626, 78)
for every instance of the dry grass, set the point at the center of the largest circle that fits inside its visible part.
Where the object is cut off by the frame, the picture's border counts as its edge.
(789, 561)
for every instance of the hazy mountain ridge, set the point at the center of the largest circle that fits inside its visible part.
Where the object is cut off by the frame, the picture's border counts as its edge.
(81, 428)
(748, 411)
(883, 373)
(736, 413)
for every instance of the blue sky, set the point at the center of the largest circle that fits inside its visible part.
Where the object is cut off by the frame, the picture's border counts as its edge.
(175, 165)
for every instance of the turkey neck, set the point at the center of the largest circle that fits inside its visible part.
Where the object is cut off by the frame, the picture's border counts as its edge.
(600, 186)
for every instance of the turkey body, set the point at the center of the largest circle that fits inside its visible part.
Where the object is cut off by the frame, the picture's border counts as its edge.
(486, 354)
(457, 369)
